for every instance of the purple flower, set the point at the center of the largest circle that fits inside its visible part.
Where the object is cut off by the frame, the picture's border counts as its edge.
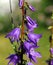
(29, 20)
(31, 26)
(14, 58)
(20, 3)
(28, 45)
(50, 62)
(51, 50)
(33, 55)
(14, 34)
(29, 63)
(34, 37)
(31, 8)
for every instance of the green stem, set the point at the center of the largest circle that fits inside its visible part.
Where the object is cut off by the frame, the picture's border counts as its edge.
(11, 14)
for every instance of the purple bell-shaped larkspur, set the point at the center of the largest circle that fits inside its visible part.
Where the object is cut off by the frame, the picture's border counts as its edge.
(14, 58)
(20, 3)
(28, 45)
(50, 61)
(14, 34)
(34, 37)
(51, 50)
(32, 55)
(30, 27)
(31, 8)
(31, 24)
(29, 19)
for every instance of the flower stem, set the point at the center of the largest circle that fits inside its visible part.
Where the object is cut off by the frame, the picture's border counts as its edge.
(11, 14)
(22, 33)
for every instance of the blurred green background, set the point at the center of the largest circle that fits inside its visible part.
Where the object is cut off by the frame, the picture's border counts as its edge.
(42, 14)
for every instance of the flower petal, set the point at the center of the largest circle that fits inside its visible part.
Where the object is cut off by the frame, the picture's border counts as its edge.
(14, 58)
(29, 63)
(34, 37)
(32, 25)
(28, 46)
(14, 34)
(51, 50)
(31, 8)
(20, 3)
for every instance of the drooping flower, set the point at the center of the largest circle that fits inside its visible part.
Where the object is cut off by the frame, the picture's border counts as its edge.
(31, 8)
(29, 63)
(32, 25)
(28, 46)
(51, 50)
(29, 19)
(14, 34)
(50, 61)
(34, 37)
(20, 3)
(14, 58)
(33, 55)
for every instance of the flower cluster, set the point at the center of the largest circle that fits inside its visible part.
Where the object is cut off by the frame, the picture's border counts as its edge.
(29, 43)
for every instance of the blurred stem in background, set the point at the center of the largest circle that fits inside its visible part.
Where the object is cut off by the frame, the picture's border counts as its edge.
(11, 14)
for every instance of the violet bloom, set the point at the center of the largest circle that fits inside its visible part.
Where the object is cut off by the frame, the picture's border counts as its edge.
(20, 3)
(14, 34)
(29, 19)
(28, 46)
(14, 58)
(34, 37)
(29, 63)
(33, 55)
(50, 62)
(51, 50)
(32, 25)
(31, 8)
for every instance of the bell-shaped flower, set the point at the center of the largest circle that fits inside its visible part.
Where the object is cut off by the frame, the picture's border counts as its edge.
(14, 58)
(31, 8)
(14, 34)
(51, 50)
(29, 63)
(27, 46)
(33, 55)
(32, 25)
(29, 19)
(50, 61)
(34, 37)
(20, 3)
